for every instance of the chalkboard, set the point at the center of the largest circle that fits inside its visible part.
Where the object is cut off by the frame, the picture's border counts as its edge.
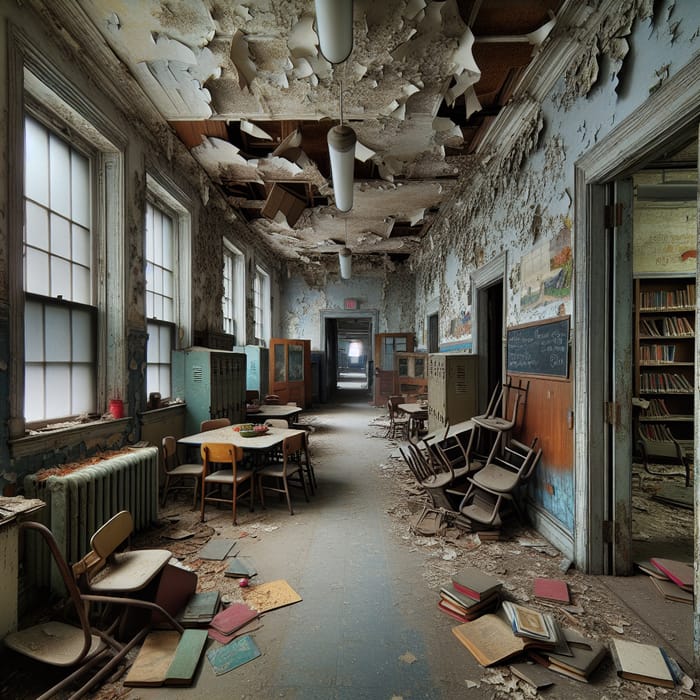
(539, 348)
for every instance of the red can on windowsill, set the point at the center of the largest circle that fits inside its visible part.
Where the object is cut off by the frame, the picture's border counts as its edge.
(116, 408)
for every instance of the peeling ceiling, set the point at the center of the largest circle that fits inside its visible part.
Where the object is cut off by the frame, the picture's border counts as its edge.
(246, 89)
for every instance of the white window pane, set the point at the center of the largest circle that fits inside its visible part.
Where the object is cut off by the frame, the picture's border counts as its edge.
(80, 189)
(34, 387)
(82, 336)
(153, 343)
(60, 278)
(58, 386)
(81, 245)
(36, 159)
(149, 233)
(33, 332)
(37, 226)
(149, 275)
(157, 280)
(59, 176)
(36, 274)
(149, 305)
(58, 338)
(158, 306)
(82, 389)
(152, 383)
(167, 253)
(167, 284)
(60, 236)
(165, 345)
(81, 285)
(168, 313)
(164, 380)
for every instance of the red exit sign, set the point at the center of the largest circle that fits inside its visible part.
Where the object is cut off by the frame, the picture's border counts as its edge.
(351, 304)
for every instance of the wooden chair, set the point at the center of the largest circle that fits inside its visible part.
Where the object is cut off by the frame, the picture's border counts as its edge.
(289, 471)
(502, 479)
(214, 453)
(82, 647)
(213, 424)
(398, 421)
(176, 472)
(107, 568)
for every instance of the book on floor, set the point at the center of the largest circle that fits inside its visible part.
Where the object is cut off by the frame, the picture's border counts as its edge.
(648, 568)
(475, 583)
(200, 609)
(586, 656)
(679, 572)
(186, 659)
(533, 674)
(239, 567)
(671, 591)
(232, 655)
(527, 622)
(490, 639)
(456, 611)
(153, 660)
(231, 618)
(552, 589)
(645, 663)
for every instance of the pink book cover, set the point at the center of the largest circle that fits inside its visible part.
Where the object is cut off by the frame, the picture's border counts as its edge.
(551, 589)
(679, 572)
(231, 618)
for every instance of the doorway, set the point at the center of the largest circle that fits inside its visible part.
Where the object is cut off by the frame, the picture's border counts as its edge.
(489, 318)
(347, 341)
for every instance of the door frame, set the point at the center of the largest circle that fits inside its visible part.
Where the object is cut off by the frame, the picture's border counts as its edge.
(494, 272)
(668, 118)
(326, 314)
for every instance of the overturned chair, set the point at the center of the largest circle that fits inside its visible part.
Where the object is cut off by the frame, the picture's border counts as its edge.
(79, 645)
(497, 486)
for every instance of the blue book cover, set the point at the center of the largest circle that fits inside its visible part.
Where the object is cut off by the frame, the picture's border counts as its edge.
(232, 655)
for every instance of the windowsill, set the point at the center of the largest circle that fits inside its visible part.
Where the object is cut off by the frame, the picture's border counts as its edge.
(156, 414)
(66, 437)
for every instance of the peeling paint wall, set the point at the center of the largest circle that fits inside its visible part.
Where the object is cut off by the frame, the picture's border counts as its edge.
(389, 290)
(522, 203)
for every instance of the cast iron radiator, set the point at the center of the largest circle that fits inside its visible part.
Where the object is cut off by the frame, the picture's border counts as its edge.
(80, 502)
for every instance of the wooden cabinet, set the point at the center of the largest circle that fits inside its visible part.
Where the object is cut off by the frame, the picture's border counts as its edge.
(411, 373)
(452, 388)
(290, 370)
(664, 363)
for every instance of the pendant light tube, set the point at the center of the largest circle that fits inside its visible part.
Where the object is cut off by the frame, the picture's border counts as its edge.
(334, 28)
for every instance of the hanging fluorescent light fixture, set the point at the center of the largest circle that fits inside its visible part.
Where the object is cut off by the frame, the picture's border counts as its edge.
(334, 27)
(345, 257)
(341, 148)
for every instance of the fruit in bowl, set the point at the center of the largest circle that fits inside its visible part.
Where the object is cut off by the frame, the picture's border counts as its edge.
(260, 428)
(243, 427)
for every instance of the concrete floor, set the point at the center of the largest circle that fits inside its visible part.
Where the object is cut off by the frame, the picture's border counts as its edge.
(368, 625)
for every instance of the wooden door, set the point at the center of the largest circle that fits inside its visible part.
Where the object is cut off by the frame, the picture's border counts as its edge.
(290, 370)
(386, 345)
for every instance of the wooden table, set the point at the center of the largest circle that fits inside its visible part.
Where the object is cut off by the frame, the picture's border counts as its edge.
(274, 411)
(260, 443)
(457, 429)
(417, 415)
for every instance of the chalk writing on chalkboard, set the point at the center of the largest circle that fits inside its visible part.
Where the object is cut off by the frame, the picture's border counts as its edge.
(539, 348)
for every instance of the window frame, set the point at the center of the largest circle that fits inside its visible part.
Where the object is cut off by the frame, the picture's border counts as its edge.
(166, 196)
(237, 302)
(262, 311)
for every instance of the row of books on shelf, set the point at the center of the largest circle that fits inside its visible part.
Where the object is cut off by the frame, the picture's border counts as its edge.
(671, 325)
(496, 631)
(657, 408)
(657, 353)
(664, 382)
(683, 298)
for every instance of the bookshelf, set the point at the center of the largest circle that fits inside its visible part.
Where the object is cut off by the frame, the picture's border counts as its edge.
(664, 367)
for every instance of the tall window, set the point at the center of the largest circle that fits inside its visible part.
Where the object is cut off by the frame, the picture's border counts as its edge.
(60, 318)
(161, 247)
(261, 301)
(233, 301)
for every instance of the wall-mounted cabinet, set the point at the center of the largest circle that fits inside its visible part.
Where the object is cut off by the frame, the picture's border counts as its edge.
(664, 362)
